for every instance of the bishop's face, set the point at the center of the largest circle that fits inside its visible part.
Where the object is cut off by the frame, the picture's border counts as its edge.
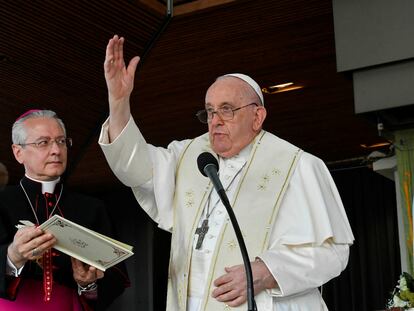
(42, 162)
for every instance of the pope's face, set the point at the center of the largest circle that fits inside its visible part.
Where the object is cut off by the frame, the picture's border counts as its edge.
(229, 137)
(42, 163)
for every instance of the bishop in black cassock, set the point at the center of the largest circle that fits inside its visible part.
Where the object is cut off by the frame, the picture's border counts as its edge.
(84, 210)
(33, 275)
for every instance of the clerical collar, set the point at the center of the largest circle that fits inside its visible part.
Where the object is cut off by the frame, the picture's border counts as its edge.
(47, 186)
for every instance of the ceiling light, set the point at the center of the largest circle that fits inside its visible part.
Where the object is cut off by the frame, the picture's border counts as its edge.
(375, 145)
(279, 88)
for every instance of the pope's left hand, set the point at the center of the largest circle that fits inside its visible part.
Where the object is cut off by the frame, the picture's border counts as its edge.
(231, 287)
(85, 274)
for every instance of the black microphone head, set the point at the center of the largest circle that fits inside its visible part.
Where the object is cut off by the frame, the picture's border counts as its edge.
(205, 159)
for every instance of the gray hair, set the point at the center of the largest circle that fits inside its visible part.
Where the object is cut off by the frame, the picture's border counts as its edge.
(19, 132)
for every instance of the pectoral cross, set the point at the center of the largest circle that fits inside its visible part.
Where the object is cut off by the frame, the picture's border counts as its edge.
(201, 231)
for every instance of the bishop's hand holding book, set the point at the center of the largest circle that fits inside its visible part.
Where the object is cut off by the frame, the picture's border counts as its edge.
(83, 244)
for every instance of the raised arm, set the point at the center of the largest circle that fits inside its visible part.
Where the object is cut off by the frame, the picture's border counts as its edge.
(120, 83)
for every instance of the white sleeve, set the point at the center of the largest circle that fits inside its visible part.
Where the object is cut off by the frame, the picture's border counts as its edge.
(11, 269)
(301, 268)
(127, 155)
(157, 195)
(148, 170)
(311, 236)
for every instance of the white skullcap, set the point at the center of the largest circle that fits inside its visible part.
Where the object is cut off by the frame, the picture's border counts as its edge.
(250, 82)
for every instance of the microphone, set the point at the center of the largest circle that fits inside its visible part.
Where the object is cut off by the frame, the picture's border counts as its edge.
(208, 166)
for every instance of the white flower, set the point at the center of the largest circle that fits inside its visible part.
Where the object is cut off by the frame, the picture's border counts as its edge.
(404, 288)
(403, 284)
(397, 302)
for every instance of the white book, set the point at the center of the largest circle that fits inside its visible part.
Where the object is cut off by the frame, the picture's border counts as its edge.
(86, 245)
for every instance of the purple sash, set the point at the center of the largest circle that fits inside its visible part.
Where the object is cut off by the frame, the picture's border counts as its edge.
(30, 297)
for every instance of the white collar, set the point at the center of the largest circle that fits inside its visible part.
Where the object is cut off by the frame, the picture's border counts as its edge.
(242, 156)
(47, 186)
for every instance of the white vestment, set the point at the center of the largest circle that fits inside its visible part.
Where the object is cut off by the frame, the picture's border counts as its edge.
(309, 239)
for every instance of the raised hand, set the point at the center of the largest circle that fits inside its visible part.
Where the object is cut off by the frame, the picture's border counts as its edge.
(120, 83)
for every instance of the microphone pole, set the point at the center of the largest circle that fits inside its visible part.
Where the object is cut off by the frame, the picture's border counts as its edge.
(208, 166)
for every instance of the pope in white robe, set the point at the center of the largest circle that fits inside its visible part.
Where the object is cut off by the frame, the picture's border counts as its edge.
(287, 205)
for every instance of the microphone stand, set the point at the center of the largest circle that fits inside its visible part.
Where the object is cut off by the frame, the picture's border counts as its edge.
(251, 304)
